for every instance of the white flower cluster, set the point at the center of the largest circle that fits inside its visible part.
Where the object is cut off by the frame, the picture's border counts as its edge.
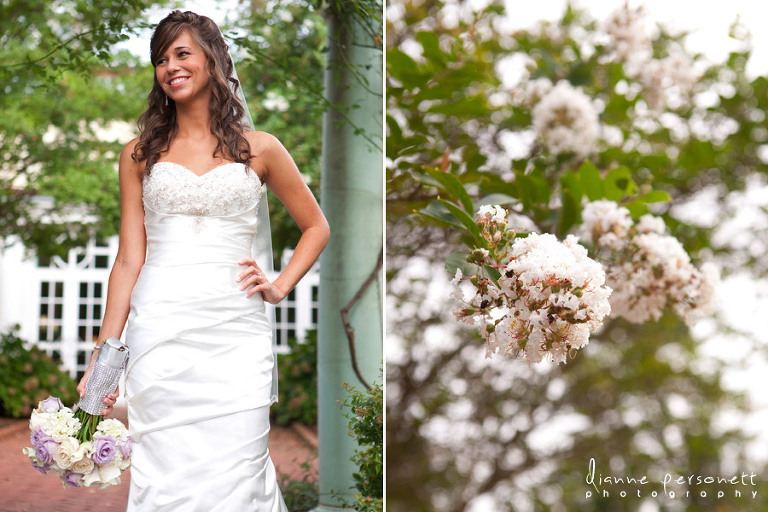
(55, 447)
(57, 424)
(566, 120)
(534, 90)
(629, 38)
(112, 427)
(550, 297)
(491, 213)
(666, 82)
(648, 270)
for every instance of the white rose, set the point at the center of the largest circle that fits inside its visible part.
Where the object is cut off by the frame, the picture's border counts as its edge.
(83, 466)
(39, 420)
(82, 459)
(111, 483)
(92, 477)
(63, 455)
(30, 452)
(109, 472)
(122, 462)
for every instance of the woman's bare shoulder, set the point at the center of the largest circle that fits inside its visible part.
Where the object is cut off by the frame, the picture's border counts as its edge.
(131, 146)
(261, 141)
(126, 157)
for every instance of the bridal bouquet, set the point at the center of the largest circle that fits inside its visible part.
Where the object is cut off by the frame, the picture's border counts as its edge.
(79, 446)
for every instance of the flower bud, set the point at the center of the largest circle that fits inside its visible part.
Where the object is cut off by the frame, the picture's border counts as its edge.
(478, 256)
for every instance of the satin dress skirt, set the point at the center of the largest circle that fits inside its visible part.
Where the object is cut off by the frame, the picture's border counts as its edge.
(199, 381)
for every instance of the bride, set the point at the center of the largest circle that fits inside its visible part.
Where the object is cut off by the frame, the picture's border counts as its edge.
(187, 289)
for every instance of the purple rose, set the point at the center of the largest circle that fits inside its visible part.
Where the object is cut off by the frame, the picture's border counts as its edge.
(36, 436)
(125, 447)
(103, 449)
(45, 449)
(38, 467)
(72, 479)
(51, 404)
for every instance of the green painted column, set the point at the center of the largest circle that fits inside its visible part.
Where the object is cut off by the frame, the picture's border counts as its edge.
(352, 199)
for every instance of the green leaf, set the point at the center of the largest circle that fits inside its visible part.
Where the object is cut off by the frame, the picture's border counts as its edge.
(527, 188)
(437, 212)
(637, 208)
(402, 67)
(431, 46)
(591, 181)
(619, 183)
(457, 260)
(453, 188)
(472, 105)
(492, 273)
(543, 191)
(655, 196)
(461, 216)
(568, 213)
(570, 181)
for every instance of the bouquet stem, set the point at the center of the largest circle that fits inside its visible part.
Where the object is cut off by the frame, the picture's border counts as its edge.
(88, 424)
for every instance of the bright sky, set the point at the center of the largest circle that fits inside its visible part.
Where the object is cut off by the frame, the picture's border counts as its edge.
(708, 22)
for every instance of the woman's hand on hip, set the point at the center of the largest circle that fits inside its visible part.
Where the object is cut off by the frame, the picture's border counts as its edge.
(253, 280)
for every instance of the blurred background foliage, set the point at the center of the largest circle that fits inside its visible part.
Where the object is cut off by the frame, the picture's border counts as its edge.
(63, 86)
(297, 383)
(365, 412)
(28, 376)
(465, 433)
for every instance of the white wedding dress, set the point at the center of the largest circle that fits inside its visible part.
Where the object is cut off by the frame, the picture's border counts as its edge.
(200, 378)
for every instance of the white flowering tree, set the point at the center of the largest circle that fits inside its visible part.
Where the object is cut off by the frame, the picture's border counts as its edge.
(588, 135)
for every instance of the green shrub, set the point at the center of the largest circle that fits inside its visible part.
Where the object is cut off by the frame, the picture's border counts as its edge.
(300, 495)
(28, 375)
(366, 425)
(297, 383)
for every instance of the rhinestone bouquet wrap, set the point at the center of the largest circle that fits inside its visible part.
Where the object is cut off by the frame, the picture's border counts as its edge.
(104, 378)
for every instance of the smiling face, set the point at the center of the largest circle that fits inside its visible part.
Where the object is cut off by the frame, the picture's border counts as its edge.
(182, 70)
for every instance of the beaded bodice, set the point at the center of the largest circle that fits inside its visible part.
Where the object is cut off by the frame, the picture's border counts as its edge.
(224, 190)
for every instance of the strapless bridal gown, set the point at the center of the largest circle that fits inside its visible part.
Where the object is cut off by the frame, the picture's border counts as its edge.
(199, 381)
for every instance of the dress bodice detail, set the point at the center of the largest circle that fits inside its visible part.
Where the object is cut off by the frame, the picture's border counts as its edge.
(227, 189)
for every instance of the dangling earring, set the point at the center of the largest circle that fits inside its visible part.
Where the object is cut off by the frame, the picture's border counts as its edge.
(166, 100)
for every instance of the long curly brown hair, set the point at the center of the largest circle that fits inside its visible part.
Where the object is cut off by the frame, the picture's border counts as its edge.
(157, 124)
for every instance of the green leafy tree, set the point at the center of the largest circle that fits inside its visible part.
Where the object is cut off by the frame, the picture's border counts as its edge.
(640, 399)
(64, 89)
(282, 49)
